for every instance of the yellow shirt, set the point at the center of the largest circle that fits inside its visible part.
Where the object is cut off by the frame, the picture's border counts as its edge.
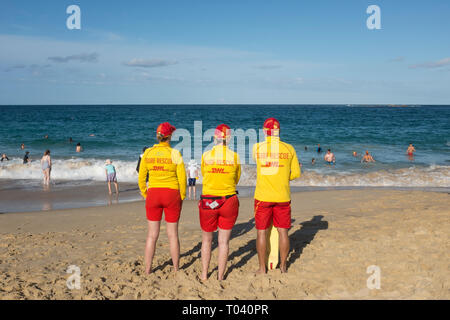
(276, 164)
(221, 170)
(165, 168)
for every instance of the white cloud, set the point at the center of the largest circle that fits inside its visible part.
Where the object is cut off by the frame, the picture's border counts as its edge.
(82, 57)
(149, 63)
(431, 65)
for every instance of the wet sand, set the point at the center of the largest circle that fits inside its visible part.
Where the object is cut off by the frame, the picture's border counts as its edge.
(335, 236)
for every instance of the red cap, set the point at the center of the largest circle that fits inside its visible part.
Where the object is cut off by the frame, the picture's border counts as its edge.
(222, 131)
(271, 126)
(165, 129)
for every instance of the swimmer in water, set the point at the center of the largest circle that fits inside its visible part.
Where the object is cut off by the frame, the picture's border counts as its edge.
(4, 157)
(319, 149)
(79, 148)
(46, 163)
(410, 151)
(26, 158)
(22, 146)
(355, 154)
(313, 161)
(329, 157)
(367, 157)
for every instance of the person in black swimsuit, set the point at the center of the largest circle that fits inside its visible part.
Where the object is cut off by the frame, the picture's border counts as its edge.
(26, 158)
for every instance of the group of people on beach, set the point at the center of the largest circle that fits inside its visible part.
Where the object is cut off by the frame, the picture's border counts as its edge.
(330, 158)
(46, 162)
(162, 182)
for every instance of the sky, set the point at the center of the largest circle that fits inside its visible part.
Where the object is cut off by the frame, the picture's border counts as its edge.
(225, 52)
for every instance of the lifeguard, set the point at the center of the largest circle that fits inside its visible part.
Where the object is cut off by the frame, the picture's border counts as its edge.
(165, 192)
(277, 165)
(219, 204)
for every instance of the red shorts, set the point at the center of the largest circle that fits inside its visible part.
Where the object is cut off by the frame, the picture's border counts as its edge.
(159, 199)
(279, 212)
(224, 217)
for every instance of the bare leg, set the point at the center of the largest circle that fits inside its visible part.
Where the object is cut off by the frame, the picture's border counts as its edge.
(117, 187)
(224, 239)
(190, 193)
(284, 247)
(261, 247)
(152, 237)
(194, 191)
(206, 253)
(109, 187)
(174, 243)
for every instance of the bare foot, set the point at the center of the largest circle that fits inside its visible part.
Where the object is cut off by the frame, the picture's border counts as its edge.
(148, 271)
(283, 269)
(260, 271)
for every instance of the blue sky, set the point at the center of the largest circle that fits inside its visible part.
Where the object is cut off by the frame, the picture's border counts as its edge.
(207, 52)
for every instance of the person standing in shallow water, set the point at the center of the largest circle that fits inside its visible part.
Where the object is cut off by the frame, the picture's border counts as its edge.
(276, 164)
(110, 171)
(46, 164)
(165, 192)
(367, 157)
(410, 151)
(26, 158)
(79, 148)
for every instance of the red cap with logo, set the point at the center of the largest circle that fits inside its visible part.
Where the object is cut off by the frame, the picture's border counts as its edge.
(222, 131)
(165, 129)
(271, 126)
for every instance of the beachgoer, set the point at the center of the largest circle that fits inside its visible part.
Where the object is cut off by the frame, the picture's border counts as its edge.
(219, 204)
(110, 171)
(313, 161)
(46, 164)
(306, 148)
(367, 157)
(140, 158)
(26, 157)
(70, 140)
(22, 146)
(355, 154)
(79, 148)
(46, 136)
(277, 164)
(329, 157)
(192, 177)
(410, 151)
(319, 148)
(166, 191)
(4, 157)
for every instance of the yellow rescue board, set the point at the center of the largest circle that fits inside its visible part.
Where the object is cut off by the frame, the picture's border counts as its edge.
(272, 248)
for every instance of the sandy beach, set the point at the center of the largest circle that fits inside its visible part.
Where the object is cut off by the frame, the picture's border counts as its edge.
(335, 236)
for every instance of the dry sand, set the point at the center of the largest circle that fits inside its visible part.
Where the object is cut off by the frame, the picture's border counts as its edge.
(335, 236)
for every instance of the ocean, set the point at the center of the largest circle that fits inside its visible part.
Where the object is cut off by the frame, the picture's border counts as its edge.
(119, 132)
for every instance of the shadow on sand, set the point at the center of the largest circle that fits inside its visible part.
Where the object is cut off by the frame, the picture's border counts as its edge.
(298, 240)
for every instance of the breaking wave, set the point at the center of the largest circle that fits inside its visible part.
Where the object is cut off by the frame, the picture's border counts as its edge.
(94, 170)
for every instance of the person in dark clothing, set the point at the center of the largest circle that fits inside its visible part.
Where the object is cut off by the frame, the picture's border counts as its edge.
(139, 161)
(4, 157)
(26, 158)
